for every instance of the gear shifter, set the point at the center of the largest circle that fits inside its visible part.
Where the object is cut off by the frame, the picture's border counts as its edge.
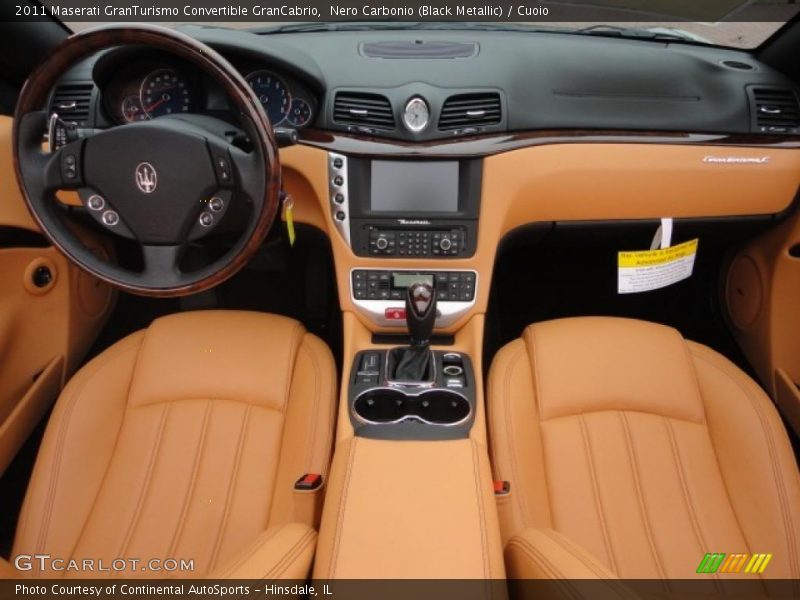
(420, 312)
(414, 363)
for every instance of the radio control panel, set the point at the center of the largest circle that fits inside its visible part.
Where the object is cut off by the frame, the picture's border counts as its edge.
(423, 243)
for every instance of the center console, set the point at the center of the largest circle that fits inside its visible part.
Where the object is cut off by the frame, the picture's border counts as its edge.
(406, 209)
(413, 392)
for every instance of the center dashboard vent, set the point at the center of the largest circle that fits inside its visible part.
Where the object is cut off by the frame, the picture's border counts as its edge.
(363, 109)
(471, 110)
(774, 110)
(73, 102)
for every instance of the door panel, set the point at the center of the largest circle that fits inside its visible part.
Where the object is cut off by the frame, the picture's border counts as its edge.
(45, 330)
(762, 291)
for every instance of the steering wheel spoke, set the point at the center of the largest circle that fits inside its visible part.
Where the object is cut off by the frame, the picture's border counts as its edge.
(161, 262)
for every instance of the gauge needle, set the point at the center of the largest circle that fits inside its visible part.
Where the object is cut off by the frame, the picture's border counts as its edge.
(157, 103)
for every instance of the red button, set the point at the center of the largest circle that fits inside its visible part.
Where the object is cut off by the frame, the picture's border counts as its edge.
(396, 314)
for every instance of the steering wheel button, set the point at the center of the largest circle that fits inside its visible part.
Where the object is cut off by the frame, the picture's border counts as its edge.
(223, 169)
(206, 219)
(216, 204)
(96, 202)
(110, 218)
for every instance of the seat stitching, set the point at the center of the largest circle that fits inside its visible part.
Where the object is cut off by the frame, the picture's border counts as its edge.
(598, 570)
(231, 485)
(536, 388)
(340, 508)
(290, 556)
(73, 399)
(314, 416)
(567, 544)
(516, 473)
(689, 361)
(632, 458)
(687, 496)
(776, 473)
(631, 411)
(254, 547)
(538, 557)
(481, 517)
(193, 481)
(154, 453)
(598, 502)
(291, 361)
(57, 458)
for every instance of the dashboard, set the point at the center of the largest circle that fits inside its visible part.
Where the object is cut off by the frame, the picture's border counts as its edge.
(403, 86)
(146, 86)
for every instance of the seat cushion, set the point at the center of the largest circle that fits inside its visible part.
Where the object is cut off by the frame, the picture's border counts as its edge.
(643, 449)
(183, 441)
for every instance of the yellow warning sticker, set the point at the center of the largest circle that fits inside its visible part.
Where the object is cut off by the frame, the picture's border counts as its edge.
(645, 270)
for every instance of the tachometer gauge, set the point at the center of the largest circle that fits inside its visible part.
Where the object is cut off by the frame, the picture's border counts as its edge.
(132, 110)
(164, 92)
(299, 113)
(273, 94)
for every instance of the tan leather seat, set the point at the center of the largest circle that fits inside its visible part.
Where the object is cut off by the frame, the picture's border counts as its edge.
(632, 452)
(184, 441)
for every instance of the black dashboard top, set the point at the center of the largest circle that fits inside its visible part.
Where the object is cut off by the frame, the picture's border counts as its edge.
(421, 85)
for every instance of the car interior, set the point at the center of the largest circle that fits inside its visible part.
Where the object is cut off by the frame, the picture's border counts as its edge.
(387, 300)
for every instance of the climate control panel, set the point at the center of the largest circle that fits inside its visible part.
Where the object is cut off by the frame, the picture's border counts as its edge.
(451, 286)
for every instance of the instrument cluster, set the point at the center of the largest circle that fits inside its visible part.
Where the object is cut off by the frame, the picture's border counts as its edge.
(148, 90)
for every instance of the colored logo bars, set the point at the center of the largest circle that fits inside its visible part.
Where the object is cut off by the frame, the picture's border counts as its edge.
(719, 562)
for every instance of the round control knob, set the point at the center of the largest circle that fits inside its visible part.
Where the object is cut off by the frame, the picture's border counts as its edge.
(206, 219)
(96, 202)
(110, 218)
(216, 204)
(445, 244)
(382, 243)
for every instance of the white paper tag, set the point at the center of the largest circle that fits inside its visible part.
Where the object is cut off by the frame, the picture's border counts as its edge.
(645, 270)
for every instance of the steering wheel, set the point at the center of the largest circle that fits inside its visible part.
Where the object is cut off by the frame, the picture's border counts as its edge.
(162, 183)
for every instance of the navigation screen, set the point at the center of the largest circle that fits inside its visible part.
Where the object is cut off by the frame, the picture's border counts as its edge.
(414, 187)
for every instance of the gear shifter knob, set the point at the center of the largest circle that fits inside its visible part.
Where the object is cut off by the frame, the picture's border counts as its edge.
(420, 312)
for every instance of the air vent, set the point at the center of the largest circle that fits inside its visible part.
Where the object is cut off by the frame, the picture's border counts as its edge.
(419, 49)
(470, 110)
(73, 102)
(775, 110)
(366, 110)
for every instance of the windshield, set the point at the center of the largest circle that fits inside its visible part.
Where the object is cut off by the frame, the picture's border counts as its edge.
(731, 23)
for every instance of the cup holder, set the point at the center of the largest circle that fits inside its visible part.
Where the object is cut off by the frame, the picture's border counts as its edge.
(384, 406)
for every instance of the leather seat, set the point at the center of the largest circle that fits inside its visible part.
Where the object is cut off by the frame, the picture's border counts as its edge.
(184, 441)
(632, 452)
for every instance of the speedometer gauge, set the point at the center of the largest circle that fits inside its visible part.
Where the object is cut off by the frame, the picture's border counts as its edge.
(273, 94)
(299, 113)
(164, 92)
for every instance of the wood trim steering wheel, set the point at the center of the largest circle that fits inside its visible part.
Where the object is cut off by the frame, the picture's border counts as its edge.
(187, 163)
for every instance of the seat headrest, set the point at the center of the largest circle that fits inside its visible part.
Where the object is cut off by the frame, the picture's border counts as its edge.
(590, 364)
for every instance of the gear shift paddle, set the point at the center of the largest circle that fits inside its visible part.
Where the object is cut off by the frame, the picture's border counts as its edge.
(420, 317)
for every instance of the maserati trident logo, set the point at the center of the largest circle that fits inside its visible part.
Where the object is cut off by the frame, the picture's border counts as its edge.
(146, 178)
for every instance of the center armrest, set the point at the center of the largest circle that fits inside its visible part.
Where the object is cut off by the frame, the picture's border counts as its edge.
(410, 510)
